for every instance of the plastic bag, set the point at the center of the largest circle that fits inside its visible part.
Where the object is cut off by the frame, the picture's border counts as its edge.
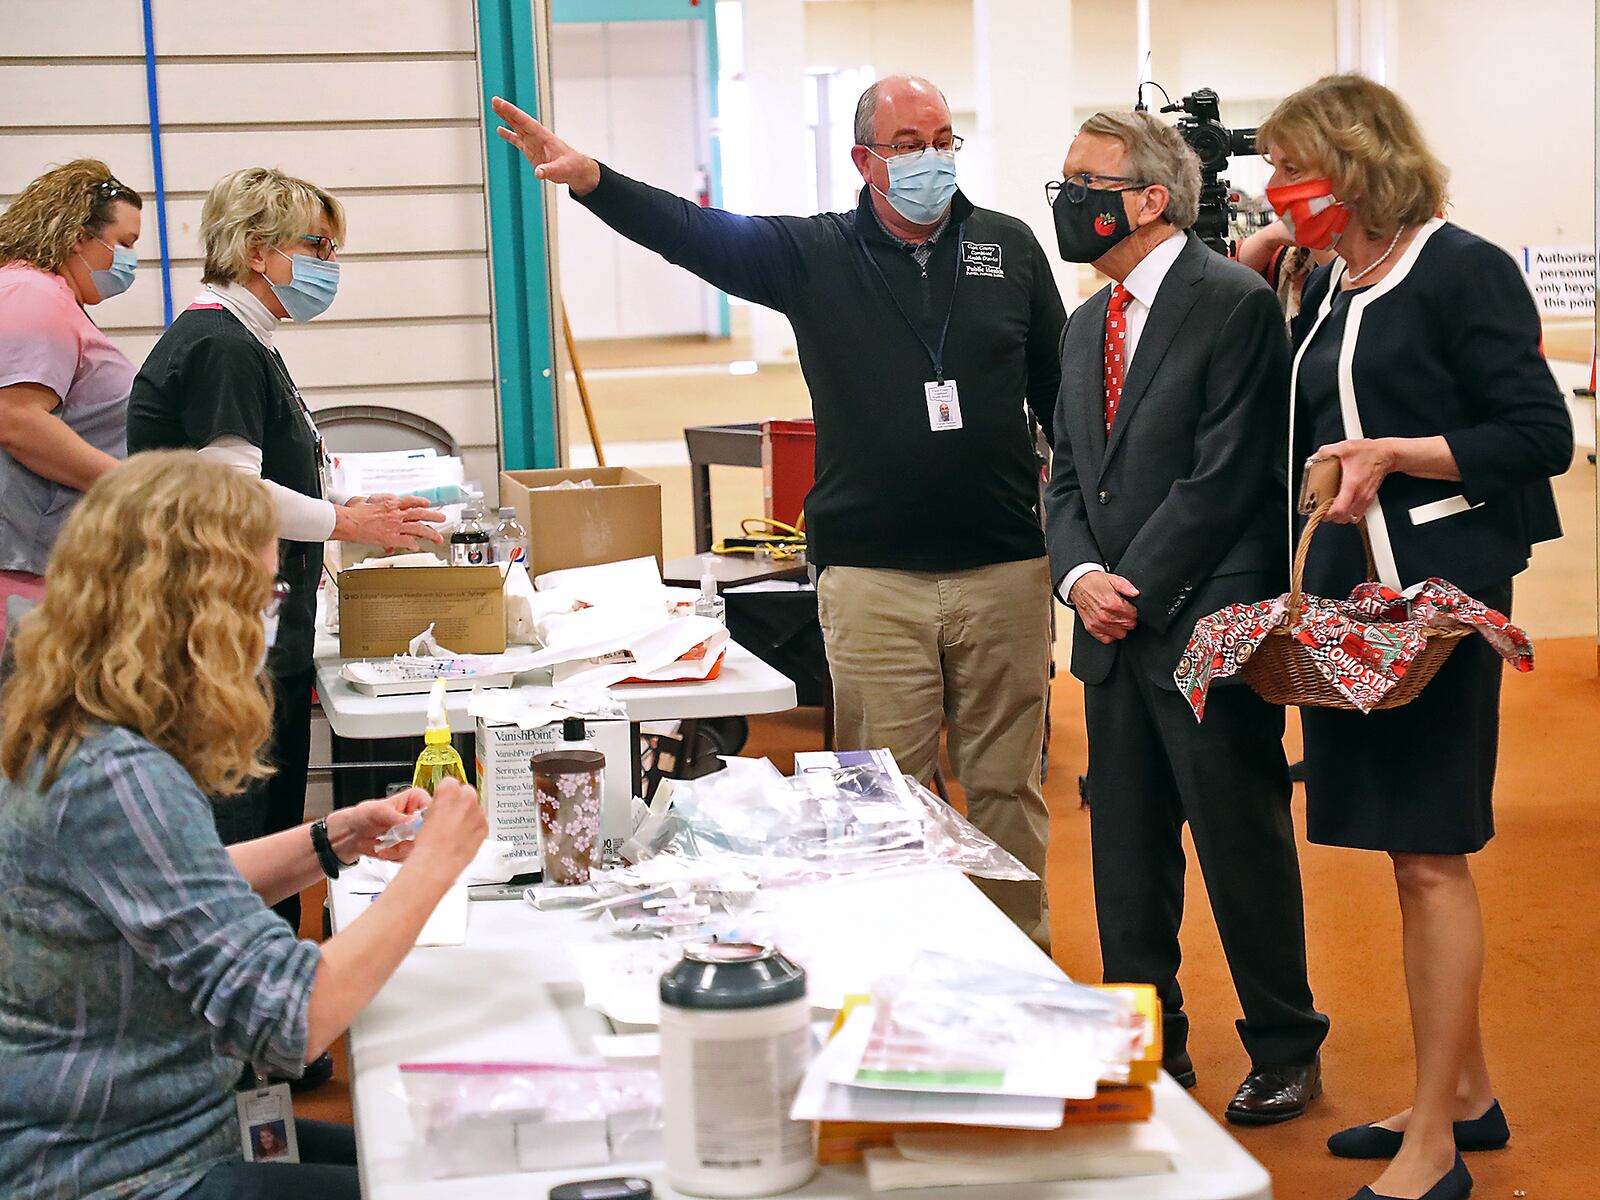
(493, 1118)
(981, 1020)
(819, 824)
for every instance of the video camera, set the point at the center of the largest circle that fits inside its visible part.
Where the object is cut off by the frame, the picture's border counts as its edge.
(1213, 143)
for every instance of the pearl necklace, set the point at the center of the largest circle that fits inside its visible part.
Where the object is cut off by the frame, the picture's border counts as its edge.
(1383, 258)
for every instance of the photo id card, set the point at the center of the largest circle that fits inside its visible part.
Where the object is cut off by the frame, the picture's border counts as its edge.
(944, 405)
(266, 1125)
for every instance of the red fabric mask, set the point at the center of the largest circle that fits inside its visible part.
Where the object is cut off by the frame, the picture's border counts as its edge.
(1315, 219)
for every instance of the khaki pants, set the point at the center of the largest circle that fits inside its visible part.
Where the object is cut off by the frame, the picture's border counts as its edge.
(911, 650)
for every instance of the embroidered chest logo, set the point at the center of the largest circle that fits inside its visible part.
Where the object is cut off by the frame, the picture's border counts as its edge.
(982, 258)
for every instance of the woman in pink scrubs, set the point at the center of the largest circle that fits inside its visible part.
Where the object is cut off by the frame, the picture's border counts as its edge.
(66, 242)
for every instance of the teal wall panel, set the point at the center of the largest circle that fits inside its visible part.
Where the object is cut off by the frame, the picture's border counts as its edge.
(518, 244)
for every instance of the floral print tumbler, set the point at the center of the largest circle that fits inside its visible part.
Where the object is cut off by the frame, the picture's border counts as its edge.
(567, 783)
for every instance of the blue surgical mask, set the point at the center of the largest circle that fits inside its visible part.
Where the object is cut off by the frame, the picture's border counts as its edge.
(921, 184)
(311, 287)
(118, 277)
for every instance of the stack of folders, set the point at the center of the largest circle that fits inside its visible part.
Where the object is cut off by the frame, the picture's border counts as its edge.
(939, 1132)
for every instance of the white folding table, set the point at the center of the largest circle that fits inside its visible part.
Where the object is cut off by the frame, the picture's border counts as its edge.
(512, 992)
(745, 687)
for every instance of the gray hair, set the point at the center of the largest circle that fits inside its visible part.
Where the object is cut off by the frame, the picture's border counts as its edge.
(1157, 153)
(866, 125)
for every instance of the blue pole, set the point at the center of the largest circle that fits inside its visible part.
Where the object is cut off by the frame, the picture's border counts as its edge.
(155, 155)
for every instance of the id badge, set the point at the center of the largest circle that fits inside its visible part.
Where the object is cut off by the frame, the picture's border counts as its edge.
(266, 1125)
(944, 405)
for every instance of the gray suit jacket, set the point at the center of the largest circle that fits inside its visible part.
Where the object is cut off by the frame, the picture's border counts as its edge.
(1186, 498)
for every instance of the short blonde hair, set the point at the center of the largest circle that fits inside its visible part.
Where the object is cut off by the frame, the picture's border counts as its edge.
(1364, 139)
(1156, 154)
(151, 621)
(47, 218)
(259, 207)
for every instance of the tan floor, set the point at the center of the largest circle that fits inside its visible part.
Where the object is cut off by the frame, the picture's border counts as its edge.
(1537, 881)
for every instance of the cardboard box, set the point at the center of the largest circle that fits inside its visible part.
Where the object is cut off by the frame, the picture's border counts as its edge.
(382, 608)
(618, 518)
(505, 779)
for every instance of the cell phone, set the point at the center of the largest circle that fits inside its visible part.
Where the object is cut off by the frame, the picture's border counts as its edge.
(1318, 482)
(511, 889)
(603, 1189)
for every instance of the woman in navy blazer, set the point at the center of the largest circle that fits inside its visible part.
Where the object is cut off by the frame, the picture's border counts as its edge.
(1417, 365)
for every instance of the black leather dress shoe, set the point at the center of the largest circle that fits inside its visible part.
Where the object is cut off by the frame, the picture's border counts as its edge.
(1456, 1185)
(1181, 1067)
(1488, 1132)
(1272, 1094)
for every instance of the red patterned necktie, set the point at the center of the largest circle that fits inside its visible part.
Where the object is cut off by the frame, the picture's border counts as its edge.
(1116, 350)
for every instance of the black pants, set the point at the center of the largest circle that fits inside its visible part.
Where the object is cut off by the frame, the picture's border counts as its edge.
(326, 1170)
(1151, 768)
(277, 803)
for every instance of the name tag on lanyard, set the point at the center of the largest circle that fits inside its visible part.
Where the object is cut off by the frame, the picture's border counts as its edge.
(942, 396)
(319, 446)
(944, 405)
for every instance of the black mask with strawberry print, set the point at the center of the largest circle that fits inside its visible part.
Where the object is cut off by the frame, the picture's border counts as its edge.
(1086, 229)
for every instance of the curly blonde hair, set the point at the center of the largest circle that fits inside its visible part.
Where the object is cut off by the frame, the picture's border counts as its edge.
(48, 216)
(258, 207)
(1364, 139)
(151, 620)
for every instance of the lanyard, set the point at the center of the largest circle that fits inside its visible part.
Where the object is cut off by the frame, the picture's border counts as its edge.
(311, 424)
(935, 353)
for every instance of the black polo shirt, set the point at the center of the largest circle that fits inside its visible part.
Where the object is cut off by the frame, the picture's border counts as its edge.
(891, 491)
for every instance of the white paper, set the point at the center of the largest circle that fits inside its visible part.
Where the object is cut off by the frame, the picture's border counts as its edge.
(822, 1099)
(645, 653)
(447, 924)
(632, 1046)
(605, 582)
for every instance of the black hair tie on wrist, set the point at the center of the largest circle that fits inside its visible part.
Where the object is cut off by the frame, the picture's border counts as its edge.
(326, 858)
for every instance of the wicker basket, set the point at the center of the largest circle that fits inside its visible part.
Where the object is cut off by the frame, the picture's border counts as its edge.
(1282, 670)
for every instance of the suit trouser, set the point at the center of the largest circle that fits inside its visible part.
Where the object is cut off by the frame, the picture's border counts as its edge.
(911, 650)
(1151, 768)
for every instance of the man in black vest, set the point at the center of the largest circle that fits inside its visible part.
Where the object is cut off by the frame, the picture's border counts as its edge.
(1164, 506)
(927, 329)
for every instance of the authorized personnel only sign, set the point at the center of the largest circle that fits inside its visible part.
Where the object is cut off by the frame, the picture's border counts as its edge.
(1561, 279)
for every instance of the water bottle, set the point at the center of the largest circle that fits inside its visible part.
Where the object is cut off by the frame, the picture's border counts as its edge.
(469, 544)
(510, 540)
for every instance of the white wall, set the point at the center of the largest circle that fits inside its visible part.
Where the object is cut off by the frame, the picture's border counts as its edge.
(1504, 92)
(375, 100)
(1505, 95)
(631, 94)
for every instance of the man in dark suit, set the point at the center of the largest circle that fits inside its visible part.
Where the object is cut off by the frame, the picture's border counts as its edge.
(1164, 506)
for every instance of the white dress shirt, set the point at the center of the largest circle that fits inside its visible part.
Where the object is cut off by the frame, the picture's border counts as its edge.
(1143, 282)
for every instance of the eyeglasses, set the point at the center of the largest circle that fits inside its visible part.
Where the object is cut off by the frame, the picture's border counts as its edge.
(1076, 187)
(948, 144)
(280, 593)
(326, 247)
(110, 189)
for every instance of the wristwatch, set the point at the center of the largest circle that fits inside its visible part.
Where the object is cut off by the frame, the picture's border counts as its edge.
(323, 845)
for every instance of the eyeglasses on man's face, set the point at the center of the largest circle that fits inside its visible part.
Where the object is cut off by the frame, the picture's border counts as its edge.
(1075, 187)
(948, 144)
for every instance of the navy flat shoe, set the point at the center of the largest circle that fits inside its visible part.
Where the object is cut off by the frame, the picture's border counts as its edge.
(1488, 1132)
(1456, 1185)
